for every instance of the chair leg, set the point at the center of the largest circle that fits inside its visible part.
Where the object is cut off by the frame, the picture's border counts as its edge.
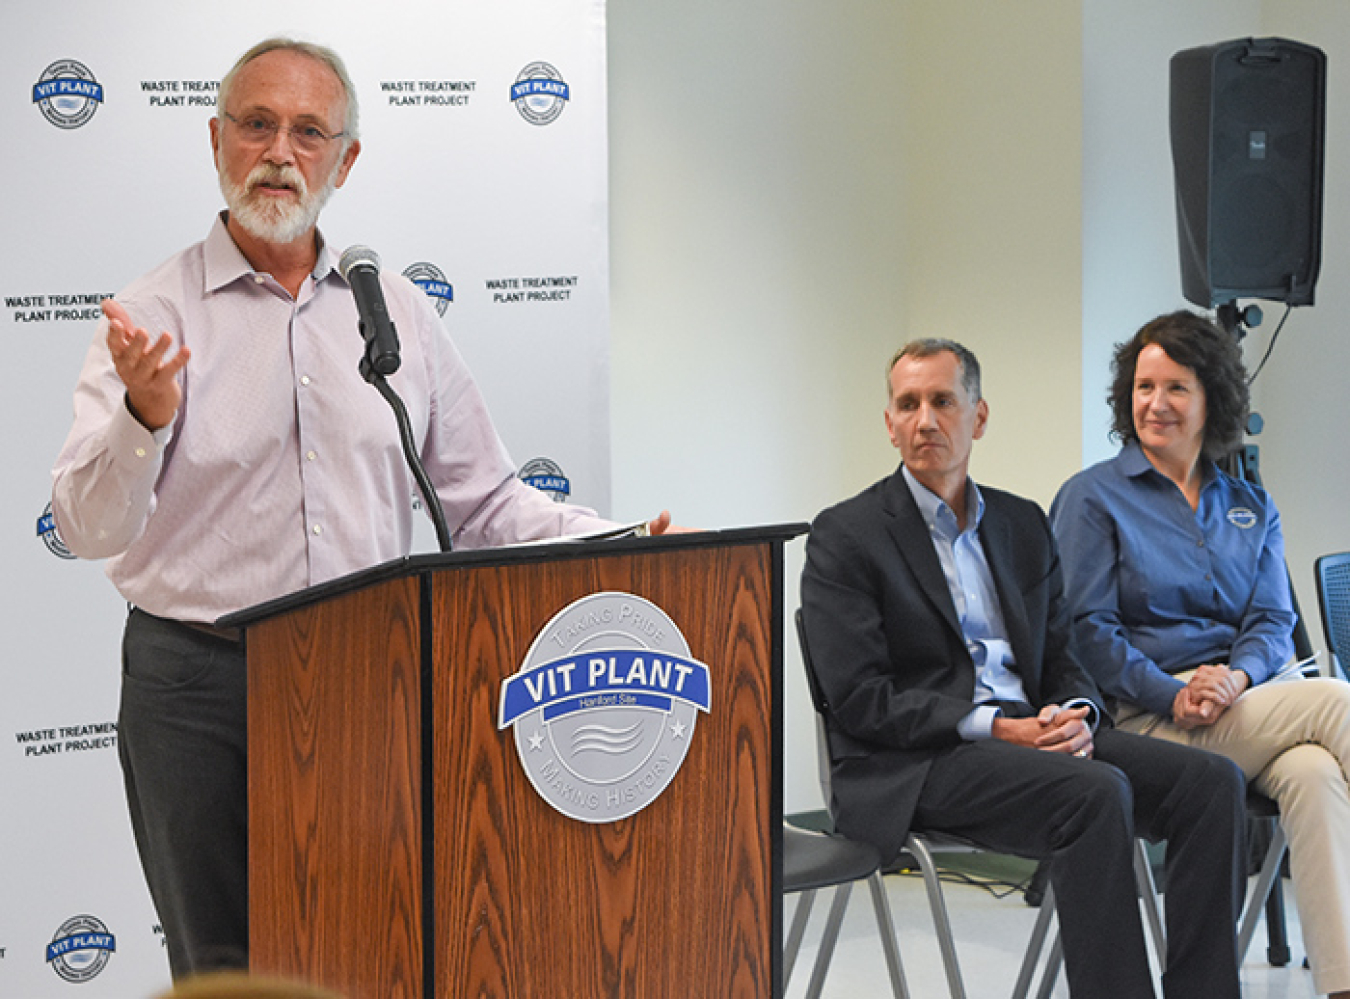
(828, 939)
(886, 930)
(801, 914)
(1051, 969)
(941, 923)
(1148, 894)
(1277, 931)
(1270, 870)
(1038, 934)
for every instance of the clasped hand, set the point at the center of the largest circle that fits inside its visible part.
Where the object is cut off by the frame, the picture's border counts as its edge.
(1056, 729)
(1209, 693)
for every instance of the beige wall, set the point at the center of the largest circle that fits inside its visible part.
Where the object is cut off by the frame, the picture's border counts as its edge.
(993, 252)
(796, 188)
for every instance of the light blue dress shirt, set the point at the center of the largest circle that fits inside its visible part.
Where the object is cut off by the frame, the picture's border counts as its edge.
(971, 585)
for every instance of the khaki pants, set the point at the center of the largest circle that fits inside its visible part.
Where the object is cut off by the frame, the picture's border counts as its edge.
(1292, 740)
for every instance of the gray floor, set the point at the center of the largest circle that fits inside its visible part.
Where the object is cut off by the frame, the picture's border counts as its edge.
(991, 936)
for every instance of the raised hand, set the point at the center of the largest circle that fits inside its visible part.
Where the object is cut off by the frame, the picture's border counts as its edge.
(151, 379)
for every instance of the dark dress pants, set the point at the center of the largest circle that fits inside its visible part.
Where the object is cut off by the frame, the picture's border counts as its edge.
(1084, 814)
(182, 740)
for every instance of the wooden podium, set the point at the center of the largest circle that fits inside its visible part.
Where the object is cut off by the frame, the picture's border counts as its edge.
(398, 847)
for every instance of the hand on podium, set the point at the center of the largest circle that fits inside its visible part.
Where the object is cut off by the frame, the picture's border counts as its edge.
(662, 525)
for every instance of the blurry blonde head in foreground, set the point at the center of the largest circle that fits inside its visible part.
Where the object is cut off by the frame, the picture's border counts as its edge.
(241, 985)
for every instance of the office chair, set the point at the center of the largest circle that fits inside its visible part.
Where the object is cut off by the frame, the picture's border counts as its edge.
(1333, 600)
(1267, 892)
(814, 860)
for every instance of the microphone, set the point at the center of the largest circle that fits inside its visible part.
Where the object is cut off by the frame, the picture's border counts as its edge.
(360, 266)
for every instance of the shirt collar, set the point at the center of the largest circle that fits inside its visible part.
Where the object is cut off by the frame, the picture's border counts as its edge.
(1134, 463)
(327, 263)
(937, 515)
(225, 262)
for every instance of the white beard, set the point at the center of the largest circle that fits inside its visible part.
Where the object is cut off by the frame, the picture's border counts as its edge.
(270, 219)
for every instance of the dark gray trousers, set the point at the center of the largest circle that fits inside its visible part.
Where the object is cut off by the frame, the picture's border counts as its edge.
(1084, 815)
(182, 739)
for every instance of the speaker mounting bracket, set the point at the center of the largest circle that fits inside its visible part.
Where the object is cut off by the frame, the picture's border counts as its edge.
(1238, 321)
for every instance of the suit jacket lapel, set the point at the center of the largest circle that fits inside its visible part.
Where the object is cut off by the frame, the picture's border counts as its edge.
(910, 533)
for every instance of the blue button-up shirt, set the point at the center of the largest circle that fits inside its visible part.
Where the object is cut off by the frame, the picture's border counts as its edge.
(1156, 588)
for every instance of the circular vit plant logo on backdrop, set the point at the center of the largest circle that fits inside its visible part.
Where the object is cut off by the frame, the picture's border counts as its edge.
(67, 93)
(540, 93)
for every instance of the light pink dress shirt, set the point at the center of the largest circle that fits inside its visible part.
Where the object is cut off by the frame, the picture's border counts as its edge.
(283, 467)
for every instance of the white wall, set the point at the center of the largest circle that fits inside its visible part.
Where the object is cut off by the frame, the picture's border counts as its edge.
(1305, 448)
(1130, 269)
(1130, 265)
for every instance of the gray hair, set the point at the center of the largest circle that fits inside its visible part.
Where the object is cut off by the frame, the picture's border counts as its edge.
(319, 53)
(927, 347)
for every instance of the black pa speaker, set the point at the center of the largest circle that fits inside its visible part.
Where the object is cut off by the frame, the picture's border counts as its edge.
(1247, 123)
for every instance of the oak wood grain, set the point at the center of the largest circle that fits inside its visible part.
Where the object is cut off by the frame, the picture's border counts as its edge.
(676, 901)
(672, 902)
(334, 794)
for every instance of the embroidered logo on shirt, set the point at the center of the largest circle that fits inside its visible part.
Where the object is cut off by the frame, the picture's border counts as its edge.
(1240, 516)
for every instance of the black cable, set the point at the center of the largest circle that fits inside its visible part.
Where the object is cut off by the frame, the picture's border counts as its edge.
(1270, 346)
(996, 887)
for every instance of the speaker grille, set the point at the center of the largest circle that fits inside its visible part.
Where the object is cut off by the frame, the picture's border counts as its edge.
(1247, 121)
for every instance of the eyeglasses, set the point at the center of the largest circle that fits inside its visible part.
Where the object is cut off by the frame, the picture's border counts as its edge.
(255, 130)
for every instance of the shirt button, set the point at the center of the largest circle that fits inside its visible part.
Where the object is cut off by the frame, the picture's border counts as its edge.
(317, 529)
(304, 379)
(258, 279)
(140, 452)
(310, 455)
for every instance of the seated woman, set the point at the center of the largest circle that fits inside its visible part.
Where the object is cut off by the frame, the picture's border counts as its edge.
(1175, 579)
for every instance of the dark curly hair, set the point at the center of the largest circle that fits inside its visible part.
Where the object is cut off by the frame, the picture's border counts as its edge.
(1216, 359)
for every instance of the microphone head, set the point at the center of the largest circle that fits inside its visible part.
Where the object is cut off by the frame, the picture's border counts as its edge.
(358, 256)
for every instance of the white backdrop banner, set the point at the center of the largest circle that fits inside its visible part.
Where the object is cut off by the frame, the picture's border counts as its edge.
(482, 177)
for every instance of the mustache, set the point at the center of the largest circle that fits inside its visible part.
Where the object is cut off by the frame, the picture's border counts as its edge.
(275, 175)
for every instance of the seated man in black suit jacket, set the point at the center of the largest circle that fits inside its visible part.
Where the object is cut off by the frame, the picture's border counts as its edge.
(936, 623)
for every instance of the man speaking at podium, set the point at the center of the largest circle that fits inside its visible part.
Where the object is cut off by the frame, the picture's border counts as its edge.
(226, 450)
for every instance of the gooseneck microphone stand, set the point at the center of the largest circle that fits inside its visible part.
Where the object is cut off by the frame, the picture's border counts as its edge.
(370, 373)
